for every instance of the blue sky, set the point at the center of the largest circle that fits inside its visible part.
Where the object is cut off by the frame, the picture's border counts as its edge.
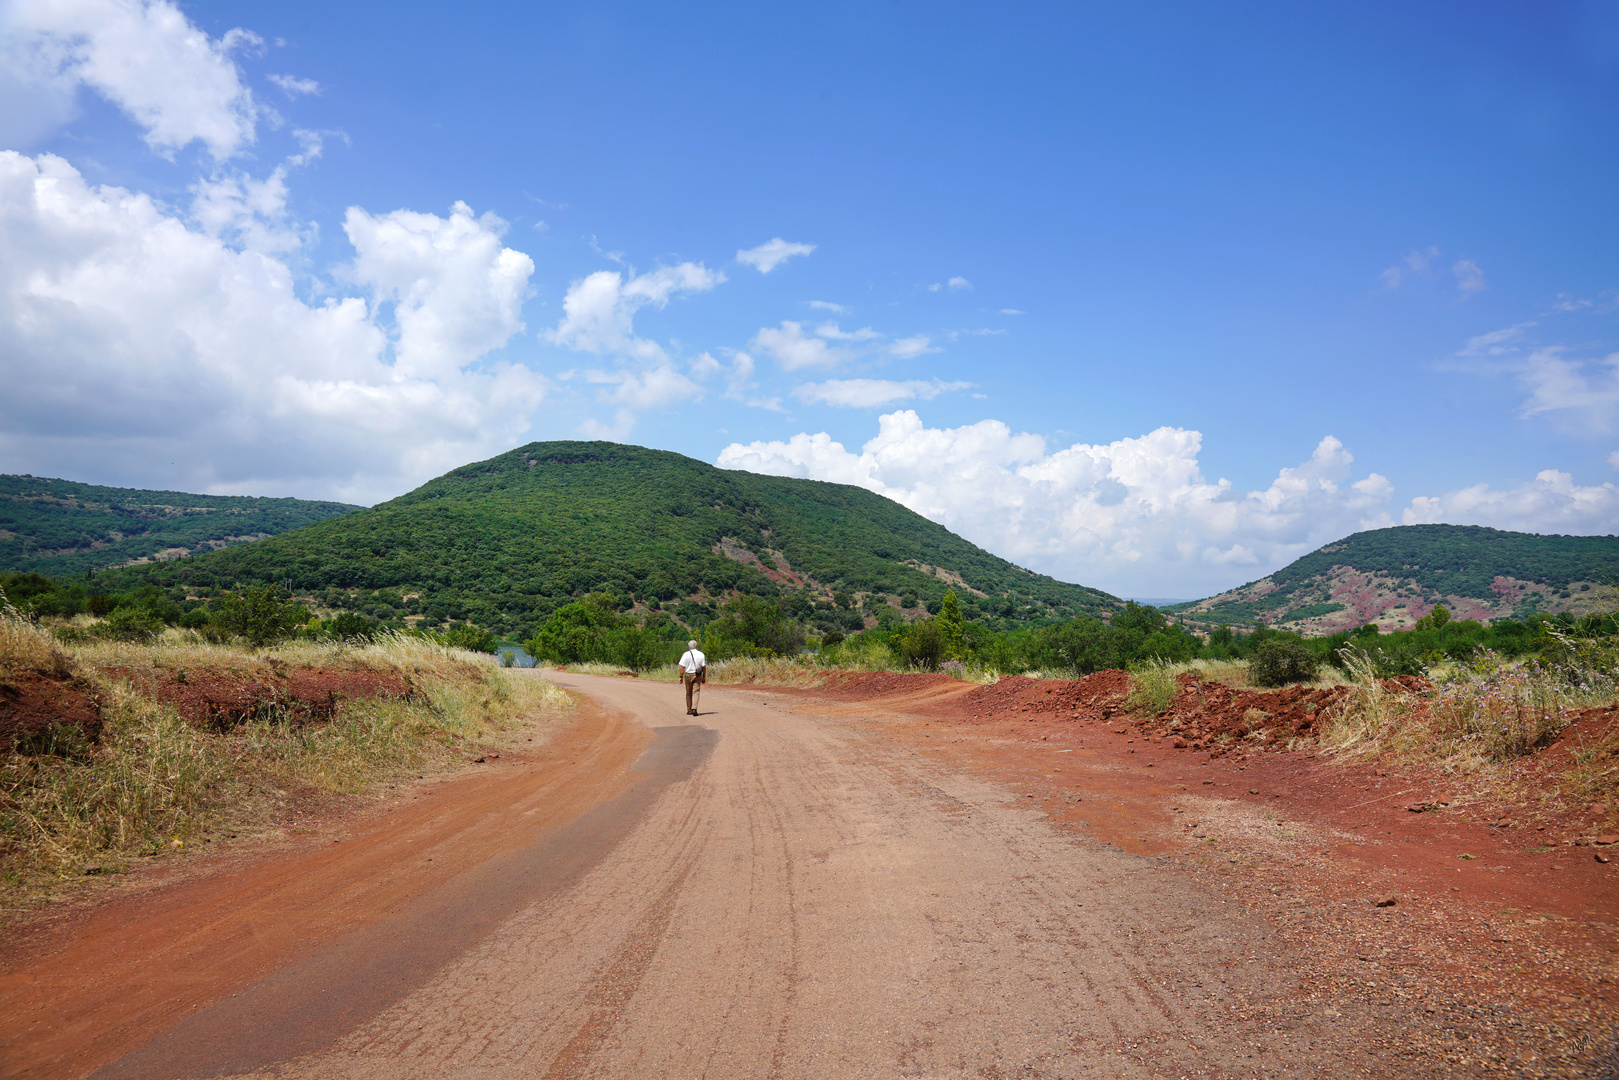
(1150, 297)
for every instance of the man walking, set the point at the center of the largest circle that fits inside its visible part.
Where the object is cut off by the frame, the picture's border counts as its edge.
(693, 672)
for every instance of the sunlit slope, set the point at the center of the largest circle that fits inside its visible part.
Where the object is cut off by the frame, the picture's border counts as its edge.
(505, 541)
(1394, 576)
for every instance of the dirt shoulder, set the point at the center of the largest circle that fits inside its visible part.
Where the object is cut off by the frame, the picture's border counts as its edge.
(1487, 919)
(82, 983)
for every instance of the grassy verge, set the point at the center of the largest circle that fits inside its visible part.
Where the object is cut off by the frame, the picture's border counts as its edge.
(154, 783)
(1484, 719)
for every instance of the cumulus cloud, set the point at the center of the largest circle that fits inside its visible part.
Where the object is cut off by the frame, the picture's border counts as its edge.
(599, 310)
(771, 254)
(870, 393)
(794, 349)
(133, 338)
(827, 305)
(659, 387)
(1551, 503)
(1132, 515)
(457, 290)
(144, 56)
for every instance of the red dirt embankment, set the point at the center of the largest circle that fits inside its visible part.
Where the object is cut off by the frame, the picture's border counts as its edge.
(35, 704)
(219, 699)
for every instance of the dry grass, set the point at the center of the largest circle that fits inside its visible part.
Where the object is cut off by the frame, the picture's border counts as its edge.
(153, 782)
(1486, 714)
(25, 648)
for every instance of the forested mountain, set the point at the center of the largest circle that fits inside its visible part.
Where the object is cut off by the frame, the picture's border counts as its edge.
(1394, 576)
(63, 529)
(504, 542)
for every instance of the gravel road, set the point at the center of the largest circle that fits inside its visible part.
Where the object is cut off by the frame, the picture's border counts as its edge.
(779, 891)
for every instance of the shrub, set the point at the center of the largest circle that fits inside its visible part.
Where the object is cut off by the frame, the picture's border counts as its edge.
(259, 616)
(924, 644)
(130, 624)
(1277, 663)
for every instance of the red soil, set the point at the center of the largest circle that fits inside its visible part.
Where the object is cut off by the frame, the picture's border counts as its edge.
(220, 699)
(1489, 901)
(33, 704)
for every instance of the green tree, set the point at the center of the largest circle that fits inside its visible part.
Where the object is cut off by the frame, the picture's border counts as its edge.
(751, 625)
(1435, 619)
(575, 633)
(949, 620)
(259, 616)
(467, 636)
(1278, 662)
(923, 645)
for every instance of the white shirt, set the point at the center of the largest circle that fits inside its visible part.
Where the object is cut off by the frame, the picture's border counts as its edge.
(693, 660)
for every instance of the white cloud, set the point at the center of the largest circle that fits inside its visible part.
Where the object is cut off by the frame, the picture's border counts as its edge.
(1551, 503)
(599, 310)
(1501, 342)
(833, 332)
(871, 393)
(911, 347)
(144, 56)
(1581, 396)
(618, 431)
(1578, 395)
(1012, 311)
(767, 256)
(827, 305)
(293, 86)
(1415, 262)
(1469, 278)
(958, 284)
(457, 291)
(1133, 515)
(793, 349)
(660, 387)
(132, 340)
(1613, 460)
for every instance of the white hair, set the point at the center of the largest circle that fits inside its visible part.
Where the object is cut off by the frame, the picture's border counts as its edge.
(691, 644)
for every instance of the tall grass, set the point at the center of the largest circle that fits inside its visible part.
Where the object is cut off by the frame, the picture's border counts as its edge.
(1153, 688)
(153, 782)
(1487, 712)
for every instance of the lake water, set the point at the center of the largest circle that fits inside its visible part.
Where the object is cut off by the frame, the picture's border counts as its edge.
(522, 655)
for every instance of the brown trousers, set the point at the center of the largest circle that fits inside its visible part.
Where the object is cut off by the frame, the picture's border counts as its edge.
(692, 679)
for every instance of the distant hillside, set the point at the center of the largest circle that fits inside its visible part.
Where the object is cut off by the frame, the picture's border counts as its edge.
(62, 529)
(1394, 576)
(506, 541)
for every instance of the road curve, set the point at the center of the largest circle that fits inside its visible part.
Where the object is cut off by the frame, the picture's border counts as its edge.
(785, 893)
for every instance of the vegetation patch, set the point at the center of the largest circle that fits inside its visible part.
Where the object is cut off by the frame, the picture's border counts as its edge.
(304, 720)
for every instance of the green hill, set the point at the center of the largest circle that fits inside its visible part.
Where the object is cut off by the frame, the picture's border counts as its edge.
(504, 542)
(63, 529)
(1394, 576)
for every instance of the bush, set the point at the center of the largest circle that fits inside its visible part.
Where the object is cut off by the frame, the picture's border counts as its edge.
(923, 645)
(1277, 663)
(259, 616)
(130, 624)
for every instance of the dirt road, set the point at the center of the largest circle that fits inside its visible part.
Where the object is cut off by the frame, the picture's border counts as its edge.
(773, 890)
